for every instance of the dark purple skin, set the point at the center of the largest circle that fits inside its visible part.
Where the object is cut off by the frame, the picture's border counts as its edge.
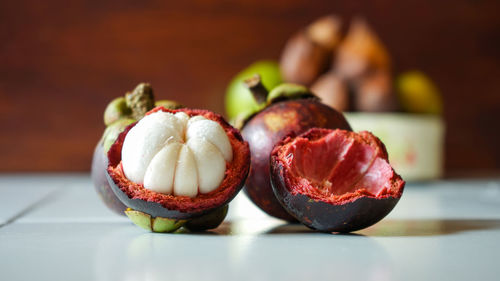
(322, 216)
(269, 127)
(98, 175)
(209, 221)
(152, 208)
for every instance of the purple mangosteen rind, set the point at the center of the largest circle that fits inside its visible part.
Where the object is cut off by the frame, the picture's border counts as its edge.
(157, 210)
(151, 208)
(356, 213)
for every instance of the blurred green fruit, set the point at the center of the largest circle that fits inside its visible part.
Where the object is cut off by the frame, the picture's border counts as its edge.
(418, 94)
(238, 98)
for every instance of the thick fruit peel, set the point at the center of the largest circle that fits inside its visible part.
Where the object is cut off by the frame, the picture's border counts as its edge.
(334, 180)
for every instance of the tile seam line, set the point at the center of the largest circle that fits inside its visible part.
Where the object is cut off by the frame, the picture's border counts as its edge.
(32, 207)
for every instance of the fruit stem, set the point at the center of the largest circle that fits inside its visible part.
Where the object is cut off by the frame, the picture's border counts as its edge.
(258, 90)
(140, 100)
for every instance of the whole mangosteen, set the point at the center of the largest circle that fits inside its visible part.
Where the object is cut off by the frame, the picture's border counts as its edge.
(287, 109)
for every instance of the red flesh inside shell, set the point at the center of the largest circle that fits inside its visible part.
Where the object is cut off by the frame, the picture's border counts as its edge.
(337, 166)
(235, 174)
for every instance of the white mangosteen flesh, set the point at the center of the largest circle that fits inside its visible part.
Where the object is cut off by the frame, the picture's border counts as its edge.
(176, 154)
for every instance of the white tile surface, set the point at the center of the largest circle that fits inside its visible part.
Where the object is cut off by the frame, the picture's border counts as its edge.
(76, 202)
(120, 251)
(19, 193)
(442, 231)
(450, 199)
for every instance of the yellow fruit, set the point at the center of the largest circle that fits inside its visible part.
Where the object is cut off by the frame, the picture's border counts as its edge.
(418, 94)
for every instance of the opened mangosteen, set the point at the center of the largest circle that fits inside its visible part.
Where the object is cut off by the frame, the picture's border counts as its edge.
(287, 109)
(334, 180)
(120, 112)
(178, 167)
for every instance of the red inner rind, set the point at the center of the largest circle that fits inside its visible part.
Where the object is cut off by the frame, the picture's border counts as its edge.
(337, 166)
(233, 179)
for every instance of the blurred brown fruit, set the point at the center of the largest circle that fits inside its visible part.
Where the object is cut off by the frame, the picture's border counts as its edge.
(361, 51)
(308, 53)
(303, 60)
(326, 32)
(375, 93)
(332, 91)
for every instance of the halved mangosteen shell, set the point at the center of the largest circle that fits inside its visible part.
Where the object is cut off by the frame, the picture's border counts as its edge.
(359, 211)
(137, 198)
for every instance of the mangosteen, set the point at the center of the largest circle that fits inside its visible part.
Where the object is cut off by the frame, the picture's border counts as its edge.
(334, 180)
(360, 52)
(374, 93)
(288, 108)
(307, 53)
(333, 91)
(177, 167)
(119, 113)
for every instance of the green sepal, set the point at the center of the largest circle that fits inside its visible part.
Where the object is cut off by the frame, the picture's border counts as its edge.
(112, 131)
(154, 224)
(166, 225)
(139, 218)
(115, 110)
(169, 104)
(288, 91)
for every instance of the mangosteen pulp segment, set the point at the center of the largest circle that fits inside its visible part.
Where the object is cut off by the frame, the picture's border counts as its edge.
(267, 128)
(334, 180)
(155, 204)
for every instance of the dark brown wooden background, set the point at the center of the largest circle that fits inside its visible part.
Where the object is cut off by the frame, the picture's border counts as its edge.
(62, 61)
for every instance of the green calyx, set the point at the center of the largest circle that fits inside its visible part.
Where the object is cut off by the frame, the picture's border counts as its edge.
(169, 104)
(113, 130)
(116, 110)
(140, 100)
(288, 91)
(157, 224)
(238, 98)
(208, 221)
(264, 98)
